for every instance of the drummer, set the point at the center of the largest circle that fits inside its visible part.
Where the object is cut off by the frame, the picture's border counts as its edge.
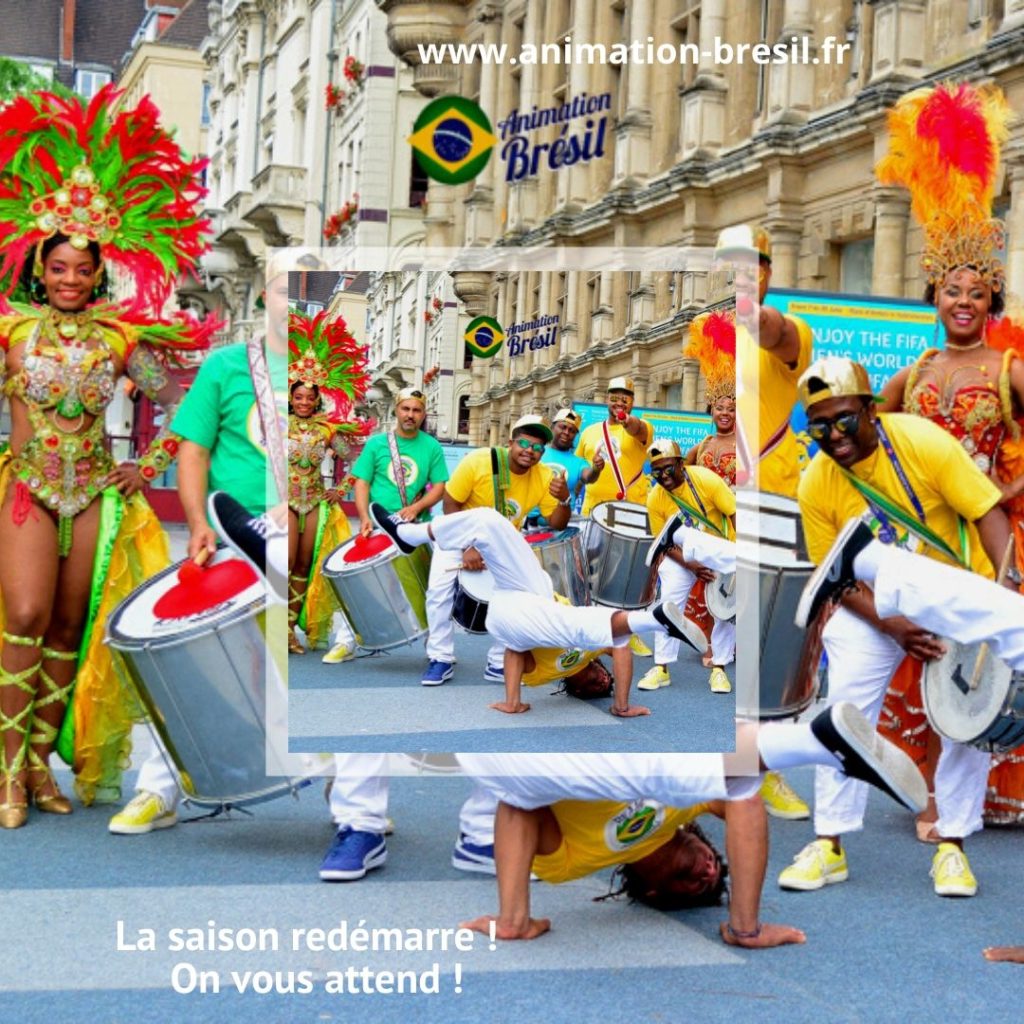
(523, 614)
(225, 448)
(513, 481)
(564, 816)
(916, 487)
(616, 449)
(403, 469)
(565, 426)
(706, 503)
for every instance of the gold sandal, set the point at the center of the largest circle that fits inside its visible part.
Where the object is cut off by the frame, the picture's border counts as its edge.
(45, 735)
(14, 812)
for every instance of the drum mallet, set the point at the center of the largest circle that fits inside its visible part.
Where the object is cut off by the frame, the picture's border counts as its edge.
(979, 662)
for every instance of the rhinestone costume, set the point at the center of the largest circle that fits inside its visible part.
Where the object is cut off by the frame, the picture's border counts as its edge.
(309, 441)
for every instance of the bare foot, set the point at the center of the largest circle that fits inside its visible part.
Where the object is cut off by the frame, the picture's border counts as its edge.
(510, 709)
(533, 929)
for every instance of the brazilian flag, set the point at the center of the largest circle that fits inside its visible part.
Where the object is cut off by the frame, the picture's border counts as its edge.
(452, 139)
(484, 337)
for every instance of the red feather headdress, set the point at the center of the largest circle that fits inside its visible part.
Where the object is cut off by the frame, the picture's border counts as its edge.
(713, 344)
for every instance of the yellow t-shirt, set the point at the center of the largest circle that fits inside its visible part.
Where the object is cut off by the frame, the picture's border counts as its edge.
(779, 470)
(599, 834)
(714, 492)
(471, 485)
(556, 663)
(942, 474)
(631, 453)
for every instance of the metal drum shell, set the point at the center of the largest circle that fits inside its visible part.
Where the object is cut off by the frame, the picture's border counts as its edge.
(383, 597)
(564, 559)
(204, 687)
(787, 683)
(618, 576)
(991, 717)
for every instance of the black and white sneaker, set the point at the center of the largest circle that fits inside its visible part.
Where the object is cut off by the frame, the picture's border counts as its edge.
(389, 524)
(865, 755)
(835, 574)
(257, 539)
(671, 616)
(663, 541)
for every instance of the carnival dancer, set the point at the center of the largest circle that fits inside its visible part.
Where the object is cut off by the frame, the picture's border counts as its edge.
(973, 387)
(564, 816)
(76, 537)
(523, 614)
(229, 421)
(326, 375)
(915, 485)
(513, 481)
(712, 342)
(705, 502)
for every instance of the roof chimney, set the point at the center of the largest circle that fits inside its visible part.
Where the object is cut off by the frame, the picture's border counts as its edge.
(67, 43)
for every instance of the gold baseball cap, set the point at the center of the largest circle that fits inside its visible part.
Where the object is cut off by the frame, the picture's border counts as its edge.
(833, 377)
(620, 384)
(744, 238)
(406, 393)
(664, 448)
(535, 425)
(568, 416)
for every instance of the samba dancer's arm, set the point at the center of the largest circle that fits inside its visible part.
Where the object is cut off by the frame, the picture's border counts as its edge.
(1015, 487)
(147, 372)
(892, 392)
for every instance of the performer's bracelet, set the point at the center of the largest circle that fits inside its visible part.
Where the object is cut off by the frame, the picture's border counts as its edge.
(755, 934)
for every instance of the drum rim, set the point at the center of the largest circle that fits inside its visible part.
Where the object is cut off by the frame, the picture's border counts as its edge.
(123, 641)
(380, 558)
(607, 529)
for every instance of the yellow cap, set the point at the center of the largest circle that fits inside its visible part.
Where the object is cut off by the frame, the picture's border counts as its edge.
(536, 424)
(664, 448)
(621, 384)
(407, 393)
(833, 377)
(568, 416)
(744, 238)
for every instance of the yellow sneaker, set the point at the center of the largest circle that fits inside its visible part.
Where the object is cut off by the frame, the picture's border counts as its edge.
(639, 648)
(338, 653)
(814, 867)
(719, 681)
(655, 678)
(952, 873)
(143, 813)
(780, 801)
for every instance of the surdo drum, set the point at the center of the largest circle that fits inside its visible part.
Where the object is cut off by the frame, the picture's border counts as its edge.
(195, 646)
(562, 556)
(382, 591)
(617, 544)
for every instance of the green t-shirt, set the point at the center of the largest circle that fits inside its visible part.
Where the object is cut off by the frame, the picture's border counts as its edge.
(422, 459)
(220, 413)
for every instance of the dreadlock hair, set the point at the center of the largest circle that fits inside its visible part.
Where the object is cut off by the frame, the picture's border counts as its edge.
(637, 889)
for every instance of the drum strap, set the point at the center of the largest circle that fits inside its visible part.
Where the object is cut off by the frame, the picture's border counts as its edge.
(500, 477)
(885, 508)
(397, 468)
(692, 513)
(620, 482)
(267, 408)
(775, 440)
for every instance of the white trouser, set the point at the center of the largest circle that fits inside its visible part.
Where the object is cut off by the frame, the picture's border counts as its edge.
(155, 773)
(676, 584)
(861, 661)
(440, 597)
(359, 799)
(951, 602)
(513, 618)
(341, 631)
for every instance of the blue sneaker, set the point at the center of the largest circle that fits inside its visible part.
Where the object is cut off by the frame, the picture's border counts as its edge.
(437, 672)
(468, 856)
(352, 854)
(494, 675)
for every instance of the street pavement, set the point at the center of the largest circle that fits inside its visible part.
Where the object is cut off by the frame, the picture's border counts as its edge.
(880, 947)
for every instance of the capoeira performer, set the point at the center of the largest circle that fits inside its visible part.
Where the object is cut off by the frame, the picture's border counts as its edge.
(523, 614)
(704, 501)
(914, 483)
(513, 481)
(564, 816)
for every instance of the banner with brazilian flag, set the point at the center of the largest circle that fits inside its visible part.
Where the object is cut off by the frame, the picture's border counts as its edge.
(484, 337)
(452, 140)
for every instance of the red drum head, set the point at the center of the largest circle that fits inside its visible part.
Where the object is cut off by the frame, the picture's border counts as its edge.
(364, 548)
(538, 538)
(199, 589)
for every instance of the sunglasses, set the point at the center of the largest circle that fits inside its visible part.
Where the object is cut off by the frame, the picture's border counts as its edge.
(537, 446)
(661, 467)
(846, 423)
